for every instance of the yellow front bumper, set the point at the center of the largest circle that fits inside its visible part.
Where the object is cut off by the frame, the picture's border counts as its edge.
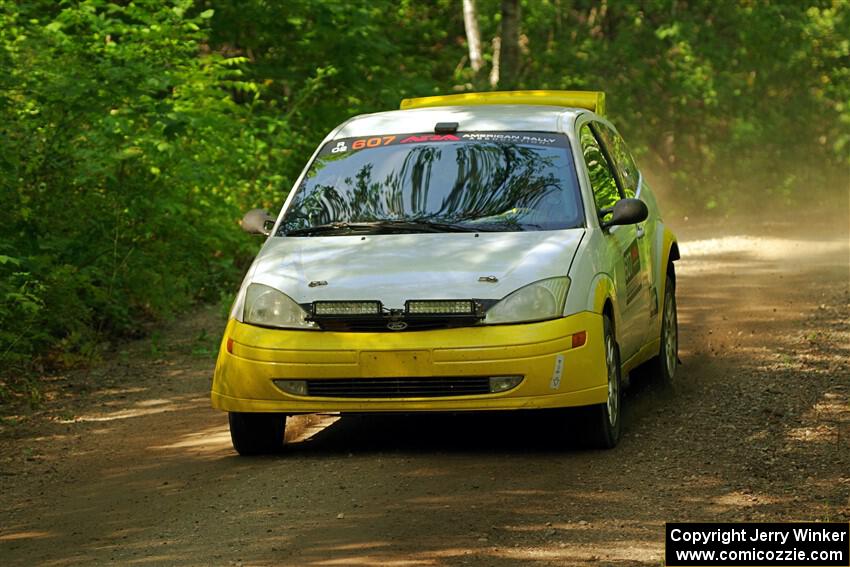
(243, 378)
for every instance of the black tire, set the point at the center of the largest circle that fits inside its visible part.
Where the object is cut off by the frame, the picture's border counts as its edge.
(257, 433)
(662, 368)
(601, 423)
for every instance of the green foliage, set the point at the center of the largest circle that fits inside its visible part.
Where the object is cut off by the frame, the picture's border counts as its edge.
(121, 190)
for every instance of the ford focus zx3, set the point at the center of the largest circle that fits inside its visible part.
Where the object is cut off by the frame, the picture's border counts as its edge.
(490, 251)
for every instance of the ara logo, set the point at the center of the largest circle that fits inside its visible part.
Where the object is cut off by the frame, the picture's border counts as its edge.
(430, 138)
(340, 147)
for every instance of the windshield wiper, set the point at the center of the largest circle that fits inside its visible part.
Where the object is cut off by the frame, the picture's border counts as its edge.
(432, 226)
(332, 227)
(414, 225)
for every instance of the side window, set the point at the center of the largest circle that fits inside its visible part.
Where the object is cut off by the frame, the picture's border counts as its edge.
(602, 181)
(623, 160)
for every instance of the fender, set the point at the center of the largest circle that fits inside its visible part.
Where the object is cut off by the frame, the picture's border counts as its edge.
(669, 253)
(603, 289)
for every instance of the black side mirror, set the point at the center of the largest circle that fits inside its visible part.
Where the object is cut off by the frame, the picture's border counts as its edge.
(625, 211)
(257, 221)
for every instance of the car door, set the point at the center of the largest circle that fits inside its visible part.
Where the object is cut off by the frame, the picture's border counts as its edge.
(623, 250)
(630, 180)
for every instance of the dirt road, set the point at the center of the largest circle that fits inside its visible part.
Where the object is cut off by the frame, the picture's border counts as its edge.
(129, 465)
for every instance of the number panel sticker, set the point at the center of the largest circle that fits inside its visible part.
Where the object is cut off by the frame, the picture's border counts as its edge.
(345, 145)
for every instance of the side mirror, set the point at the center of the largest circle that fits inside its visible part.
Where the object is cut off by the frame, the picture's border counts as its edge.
(625, 211)
(257, 221)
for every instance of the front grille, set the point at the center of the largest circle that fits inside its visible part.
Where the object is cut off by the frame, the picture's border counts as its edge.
(437, 387)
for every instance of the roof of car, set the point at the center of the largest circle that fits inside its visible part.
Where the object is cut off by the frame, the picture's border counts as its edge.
(509, 117)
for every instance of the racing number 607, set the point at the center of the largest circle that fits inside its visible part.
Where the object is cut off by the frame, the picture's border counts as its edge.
(372, 142)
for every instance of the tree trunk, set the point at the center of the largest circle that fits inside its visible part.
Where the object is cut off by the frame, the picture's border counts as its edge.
(473, 36)
(509, 52)
(494, 72)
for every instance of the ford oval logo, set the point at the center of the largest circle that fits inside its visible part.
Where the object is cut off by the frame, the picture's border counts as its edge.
(396, 325)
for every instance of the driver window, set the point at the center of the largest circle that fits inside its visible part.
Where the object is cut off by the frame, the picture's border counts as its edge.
(623, 159)
(602, 182)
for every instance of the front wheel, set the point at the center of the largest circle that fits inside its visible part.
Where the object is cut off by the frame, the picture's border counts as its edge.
(257, 433)
(602, 422)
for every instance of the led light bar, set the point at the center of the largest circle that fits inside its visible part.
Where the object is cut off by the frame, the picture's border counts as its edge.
(347, 308)
(465, 307)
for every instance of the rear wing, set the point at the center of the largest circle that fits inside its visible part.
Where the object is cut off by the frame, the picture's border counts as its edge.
(591, 100)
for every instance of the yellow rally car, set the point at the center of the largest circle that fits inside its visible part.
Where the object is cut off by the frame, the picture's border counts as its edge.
(489, 251)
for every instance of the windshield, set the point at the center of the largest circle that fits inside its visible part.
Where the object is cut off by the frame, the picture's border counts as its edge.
(484, 181)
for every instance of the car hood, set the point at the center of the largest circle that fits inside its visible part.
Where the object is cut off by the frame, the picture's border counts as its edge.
(393, 268)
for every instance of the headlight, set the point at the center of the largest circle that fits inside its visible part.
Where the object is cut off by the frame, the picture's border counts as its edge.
(534, 302)
(267, 306)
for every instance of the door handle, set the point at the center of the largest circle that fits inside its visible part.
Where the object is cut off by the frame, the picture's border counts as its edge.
(639, 232)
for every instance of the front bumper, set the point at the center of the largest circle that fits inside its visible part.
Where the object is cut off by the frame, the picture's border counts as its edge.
(244, 377)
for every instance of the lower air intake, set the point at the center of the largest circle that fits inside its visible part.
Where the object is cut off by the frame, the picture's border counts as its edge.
(438, 387)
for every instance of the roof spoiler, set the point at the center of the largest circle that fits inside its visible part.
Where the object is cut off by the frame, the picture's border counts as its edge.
(591, 100)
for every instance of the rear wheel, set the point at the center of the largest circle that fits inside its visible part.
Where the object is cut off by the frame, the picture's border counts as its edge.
(602, 422)
(257, 433)
(663, 366)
